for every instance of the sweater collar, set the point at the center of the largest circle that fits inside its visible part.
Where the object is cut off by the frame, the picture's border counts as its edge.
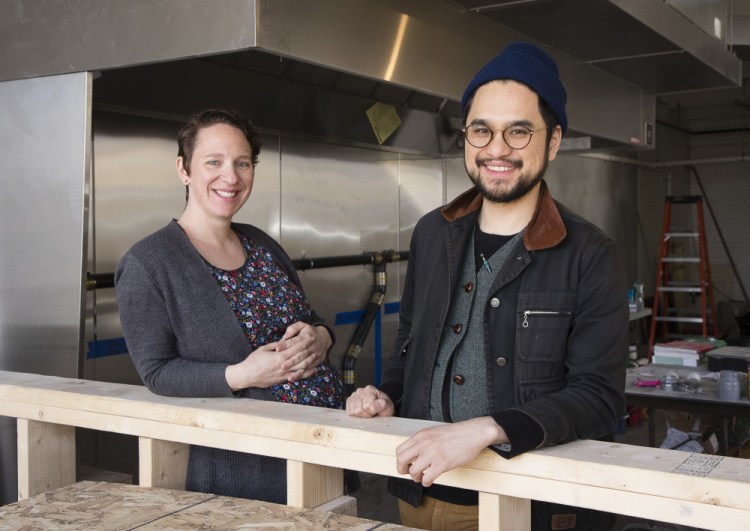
(546, 228)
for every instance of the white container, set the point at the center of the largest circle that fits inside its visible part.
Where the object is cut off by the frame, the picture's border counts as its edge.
(729, 386)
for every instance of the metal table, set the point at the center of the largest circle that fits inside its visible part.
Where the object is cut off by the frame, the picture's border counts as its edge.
(706, 402)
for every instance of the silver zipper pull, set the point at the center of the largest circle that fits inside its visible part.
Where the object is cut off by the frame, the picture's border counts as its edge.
(525, 323)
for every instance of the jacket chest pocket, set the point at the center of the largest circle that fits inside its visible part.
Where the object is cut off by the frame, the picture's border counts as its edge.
(543, 322)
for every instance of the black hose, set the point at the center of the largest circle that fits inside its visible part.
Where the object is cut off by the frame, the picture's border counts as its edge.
(377, 296)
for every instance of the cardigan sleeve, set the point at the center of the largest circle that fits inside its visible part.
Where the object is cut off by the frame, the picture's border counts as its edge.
(152, 340)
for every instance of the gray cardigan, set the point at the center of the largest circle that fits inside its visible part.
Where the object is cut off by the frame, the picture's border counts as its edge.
(182, 334)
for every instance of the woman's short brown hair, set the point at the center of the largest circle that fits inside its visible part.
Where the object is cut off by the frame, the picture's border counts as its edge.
(206, 118)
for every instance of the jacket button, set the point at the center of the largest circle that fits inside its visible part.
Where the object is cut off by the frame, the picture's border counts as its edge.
(494, 302)
(457, 328)
(469, 287)
(458, 379)
(502, 362)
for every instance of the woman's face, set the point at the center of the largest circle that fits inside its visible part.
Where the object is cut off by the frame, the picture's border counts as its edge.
(221, 173)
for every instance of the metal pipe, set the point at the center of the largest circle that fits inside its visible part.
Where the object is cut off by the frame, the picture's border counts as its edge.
(107, 280)
(303, 264)
(99, 281)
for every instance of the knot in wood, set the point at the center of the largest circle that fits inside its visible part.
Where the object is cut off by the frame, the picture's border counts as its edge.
(320, 433)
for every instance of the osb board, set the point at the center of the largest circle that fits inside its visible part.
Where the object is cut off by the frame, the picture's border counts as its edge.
(105, 506)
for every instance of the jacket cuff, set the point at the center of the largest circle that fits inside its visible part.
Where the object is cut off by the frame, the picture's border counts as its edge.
(394, 390)
(523, 432)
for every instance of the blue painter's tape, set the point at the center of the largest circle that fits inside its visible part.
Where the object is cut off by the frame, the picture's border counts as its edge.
(344, 318)
(392, 307)
(107, 347)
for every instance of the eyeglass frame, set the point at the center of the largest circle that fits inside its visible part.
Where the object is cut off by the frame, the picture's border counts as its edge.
(464, 133)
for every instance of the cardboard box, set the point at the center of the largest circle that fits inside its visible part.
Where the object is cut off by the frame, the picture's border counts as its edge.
(689, 433)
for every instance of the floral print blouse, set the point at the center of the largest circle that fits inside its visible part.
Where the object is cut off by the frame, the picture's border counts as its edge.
(266, 302)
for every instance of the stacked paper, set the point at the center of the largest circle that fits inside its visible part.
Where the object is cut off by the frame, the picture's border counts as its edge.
(686, 352)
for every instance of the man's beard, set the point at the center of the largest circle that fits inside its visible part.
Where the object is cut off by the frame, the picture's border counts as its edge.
(521, 187)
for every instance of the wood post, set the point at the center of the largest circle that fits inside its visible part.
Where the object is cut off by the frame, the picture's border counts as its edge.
(309, 485)
(162, 463)
(503, 513)
(46, 457)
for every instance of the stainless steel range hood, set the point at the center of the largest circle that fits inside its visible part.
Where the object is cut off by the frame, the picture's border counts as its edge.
(311, 66)
(647, 42)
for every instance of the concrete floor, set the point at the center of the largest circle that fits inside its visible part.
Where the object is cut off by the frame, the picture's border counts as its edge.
(374, 502)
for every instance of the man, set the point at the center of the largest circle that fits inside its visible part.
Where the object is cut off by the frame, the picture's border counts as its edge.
(513, 323)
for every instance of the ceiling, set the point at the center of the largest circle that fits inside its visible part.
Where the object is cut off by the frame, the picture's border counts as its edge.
(647, 42)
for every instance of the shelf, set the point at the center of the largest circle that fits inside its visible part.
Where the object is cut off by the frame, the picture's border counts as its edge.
(640, 314)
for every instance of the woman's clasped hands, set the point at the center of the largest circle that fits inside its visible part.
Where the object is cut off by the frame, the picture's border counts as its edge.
(294, 357)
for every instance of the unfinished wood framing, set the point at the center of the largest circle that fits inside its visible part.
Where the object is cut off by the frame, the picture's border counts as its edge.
(46, 457)
(162, 463)
(698, 490)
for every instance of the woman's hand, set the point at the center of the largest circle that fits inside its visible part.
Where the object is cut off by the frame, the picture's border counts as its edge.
(262, 368)
(296, 356)
(303, 347)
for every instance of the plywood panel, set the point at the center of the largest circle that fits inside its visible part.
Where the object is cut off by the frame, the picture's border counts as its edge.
(97, 505)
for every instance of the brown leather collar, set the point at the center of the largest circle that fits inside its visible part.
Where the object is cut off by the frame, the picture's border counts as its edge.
(546, 228)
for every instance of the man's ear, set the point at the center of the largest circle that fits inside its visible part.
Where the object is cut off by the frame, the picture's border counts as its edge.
(554, 142)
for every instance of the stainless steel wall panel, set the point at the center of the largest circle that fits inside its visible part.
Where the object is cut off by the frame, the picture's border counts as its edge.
(263, 209)
(136, 191)
(136, 187)
(45, 161)
(420, 191)
(604, 193)
(339, 201)
(457, 181)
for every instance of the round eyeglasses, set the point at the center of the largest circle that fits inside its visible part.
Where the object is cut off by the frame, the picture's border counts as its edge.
(515, 136)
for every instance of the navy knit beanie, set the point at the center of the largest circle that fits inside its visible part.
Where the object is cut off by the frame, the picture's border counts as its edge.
(530, 65)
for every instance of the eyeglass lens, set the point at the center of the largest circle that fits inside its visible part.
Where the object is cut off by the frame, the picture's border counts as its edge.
(516, 137)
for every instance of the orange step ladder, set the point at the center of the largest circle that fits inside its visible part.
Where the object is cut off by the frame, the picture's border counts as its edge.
(683, 294)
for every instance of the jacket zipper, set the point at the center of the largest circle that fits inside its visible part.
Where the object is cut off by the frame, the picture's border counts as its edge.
(526, 314)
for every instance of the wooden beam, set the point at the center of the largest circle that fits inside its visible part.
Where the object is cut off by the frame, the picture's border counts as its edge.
(46, 457)
(688, 489)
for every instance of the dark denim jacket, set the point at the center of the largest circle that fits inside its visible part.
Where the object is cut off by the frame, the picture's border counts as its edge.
(556, 323)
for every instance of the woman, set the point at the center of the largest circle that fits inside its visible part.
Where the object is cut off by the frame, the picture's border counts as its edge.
(211, 308)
